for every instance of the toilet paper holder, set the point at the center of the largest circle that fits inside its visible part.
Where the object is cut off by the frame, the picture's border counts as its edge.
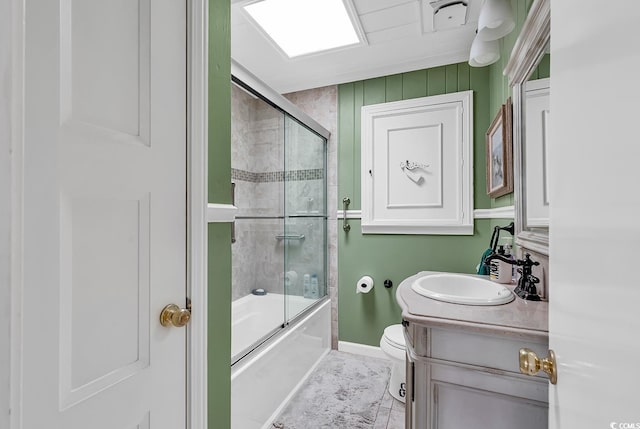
(365, 284)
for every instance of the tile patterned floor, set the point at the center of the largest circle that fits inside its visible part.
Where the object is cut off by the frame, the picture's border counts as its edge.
(345, 391)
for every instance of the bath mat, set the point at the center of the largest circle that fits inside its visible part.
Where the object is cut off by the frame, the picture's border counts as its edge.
(343, 392)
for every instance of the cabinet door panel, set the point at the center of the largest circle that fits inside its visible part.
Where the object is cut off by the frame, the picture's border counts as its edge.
(466, 397)
(460, 407)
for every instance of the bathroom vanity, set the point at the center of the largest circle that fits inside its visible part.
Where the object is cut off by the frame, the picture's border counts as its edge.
(463, 363)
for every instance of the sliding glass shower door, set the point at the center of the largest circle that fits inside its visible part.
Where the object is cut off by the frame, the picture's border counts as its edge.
(279, 236)
(305, 217)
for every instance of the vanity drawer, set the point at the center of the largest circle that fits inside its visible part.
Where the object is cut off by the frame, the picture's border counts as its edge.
(482, 350)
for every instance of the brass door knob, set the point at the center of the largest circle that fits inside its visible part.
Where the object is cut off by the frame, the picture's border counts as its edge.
(172, 315)
(531, 364)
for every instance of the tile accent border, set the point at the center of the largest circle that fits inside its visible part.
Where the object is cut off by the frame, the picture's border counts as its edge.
(277, 176)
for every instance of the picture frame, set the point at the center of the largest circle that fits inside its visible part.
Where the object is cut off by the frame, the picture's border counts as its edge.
(499, 153)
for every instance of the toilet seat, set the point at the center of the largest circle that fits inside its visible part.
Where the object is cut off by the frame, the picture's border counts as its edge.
(394, 335)
(392, 342)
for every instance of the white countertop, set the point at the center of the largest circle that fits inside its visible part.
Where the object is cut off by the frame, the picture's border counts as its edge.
(519, 317)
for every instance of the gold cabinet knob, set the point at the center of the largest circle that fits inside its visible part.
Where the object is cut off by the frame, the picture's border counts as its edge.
(172, 315)
(531, 364)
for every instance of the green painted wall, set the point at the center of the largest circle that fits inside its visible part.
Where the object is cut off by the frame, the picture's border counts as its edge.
(219, 234)
(499, 84)
(362, 318)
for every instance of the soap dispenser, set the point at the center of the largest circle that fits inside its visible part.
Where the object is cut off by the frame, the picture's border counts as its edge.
(499, 271)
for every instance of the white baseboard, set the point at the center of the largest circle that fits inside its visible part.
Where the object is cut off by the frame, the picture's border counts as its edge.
(361, 349)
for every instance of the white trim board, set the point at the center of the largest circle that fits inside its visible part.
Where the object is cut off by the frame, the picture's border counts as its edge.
(198, 46)
(351, 214)
(361, 349)
(16, 63)
(507, 212)
(221, 213)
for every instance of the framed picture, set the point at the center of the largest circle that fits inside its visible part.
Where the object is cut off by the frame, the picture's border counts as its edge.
(499, 153)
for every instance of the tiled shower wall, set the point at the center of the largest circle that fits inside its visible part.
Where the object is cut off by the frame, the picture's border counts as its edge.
(256, 147)
(274, 178)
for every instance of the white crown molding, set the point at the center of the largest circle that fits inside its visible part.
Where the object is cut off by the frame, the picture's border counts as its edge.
(507, 212)
(220, 213)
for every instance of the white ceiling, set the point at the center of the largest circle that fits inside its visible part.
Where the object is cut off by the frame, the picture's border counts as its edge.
(398, 40)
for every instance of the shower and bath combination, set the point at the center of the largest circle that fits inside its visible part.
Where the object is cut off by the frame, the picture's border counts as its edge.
(280, 308)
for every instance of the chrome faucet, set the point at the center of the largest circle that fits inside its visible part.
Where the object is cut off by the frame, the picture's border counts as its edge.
(526, 288)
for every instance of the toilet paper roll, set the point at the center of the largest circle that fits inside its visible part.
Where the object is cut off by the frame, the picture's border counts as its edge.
(364, 285)
(291, 279)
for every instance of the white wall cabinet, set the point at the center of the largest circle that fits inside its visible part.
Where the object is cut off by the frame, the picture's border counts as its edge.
(417, 166)
(458, 379)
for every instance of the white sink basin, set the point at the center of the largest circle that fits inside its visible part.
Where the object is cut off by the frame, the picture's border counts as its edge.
(462, 289)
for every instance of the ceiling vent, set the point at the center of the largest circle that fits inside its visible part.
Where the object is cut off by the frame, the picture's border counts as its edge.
(443, 14)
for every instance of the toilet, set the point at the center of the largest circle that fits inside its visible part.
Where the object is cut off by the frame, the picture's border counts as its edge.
(393, 345)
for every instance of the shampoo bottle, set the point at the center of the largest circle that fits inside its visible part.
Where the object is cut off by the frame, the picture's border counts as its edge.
(306, 286)
(315, 288)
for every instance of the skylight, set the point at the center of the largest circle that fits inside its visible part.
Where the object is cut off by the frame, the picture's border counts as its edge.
(302, 27)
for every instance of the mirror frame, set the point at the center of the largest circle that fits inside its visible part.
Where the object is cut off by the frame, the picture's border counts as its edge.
(527, 52)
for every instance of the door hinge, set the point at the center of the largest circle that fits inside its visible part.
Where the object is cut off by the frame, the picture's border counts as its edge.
(189, 304)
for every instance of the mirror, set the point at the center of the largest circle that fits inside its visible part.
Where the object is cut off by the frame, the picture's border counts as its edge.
(530, 182)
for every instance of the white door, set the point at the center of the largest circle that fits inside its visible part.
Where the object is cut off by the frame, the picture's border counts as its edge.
(594, 318)
(104, 214)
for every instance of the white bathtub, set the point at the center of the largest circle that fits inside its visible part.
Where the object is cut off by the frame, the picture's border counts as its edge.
(264, 381)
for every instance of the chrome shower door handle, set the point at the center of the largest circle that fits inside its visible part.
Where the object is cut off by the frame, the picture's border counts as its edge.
(233, 202)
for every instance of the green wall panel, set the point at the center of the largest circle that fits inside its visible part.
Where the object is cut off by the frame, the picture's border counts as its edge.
(219, 326)
(219, 235)
(451, 78)
(479, 83)
(393, 87)
(346, 101)
(363, 317)
(437, 81)
(357, 106)
(375, 91)
(414, 84)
